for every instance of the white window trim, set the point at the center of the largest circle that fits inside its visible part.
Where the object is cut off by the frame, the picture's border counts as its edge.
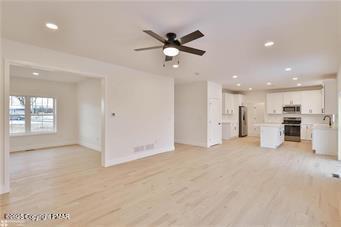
(28, 131)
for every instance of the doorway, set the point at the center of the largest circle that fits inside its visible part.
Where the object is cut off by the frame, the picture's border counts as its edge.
(52, 110)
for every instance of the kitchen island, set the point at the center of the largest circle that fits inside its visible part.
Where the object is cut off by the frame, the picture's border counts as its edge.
(324, 141)
(271, 134)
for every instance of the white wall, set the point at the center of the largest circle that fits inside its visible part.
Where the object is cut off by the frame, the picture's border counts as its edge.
(67, 124)
(3, 183)
(89, 113)
(143, 102)
(191, 113)
(339, 82)
(255, 102)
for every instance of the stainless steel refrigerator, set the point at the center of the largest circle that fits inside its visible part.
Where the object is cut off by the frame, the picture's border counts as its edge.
(242, 121)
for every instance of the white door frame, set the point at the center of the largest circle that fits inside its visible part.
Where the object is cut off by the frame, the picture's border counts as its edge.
(104, 115)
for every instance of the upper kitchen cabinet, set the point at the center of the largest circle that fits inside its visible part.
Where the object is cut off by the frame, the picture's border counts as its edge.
(312, 102)
(239, 100)
(228, 103)
(274, 103)
(292, 98)
(330, 96)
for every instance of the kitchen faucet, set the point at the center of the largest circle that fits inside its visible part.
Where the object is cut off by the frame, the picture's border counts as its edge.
(330, 119)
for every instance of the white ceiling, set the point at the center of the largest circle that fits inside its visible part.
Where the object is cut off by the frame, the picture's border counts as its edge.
(44, 74)
(305, 36)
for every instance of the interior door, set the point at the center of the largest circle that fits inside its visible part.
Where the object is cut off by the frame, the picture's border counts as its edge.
(214, 122)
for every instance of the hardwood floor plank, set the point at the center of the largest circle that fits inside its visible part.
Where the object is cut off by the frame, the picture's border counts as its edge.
(233, 184)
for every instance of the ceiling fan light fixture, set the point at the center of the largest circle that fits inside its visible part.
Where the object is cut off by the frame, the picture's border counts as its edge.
(170, 51)
(51, 26)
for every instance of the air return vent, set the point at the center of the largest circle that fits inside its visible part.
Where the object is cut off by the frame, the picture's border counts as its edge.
(144, 148)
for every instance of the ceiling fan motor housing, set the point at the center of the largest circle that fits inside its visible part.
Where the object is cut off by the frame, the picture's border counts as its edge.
(171, 36)
(171, 42)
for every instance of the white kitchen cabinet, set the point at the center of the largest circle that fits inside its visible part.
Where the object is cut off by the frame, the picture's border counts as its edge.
(271, 135)
(230, 130)
(274, 103)
(329, 96)
(228, 103)
(235, 129)
(292, 98)
(227, 130)
(239, 100)
(311, 102)
(306, 131)
(324, 140)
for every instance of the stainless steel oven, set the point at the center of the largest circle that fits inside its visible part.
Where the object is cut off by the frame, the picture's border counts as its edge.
(292, 129)
(292, 109)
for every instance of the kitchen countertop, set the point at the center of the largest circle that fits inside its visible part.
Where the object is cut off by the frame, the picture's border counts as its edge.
(324, 127)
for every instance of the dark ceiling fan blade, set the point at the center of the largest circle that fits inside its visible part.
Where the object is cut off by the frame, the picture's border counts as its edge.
(191, 50)
(168, 58)
(191, 36)
(154, 35)
(148, 48)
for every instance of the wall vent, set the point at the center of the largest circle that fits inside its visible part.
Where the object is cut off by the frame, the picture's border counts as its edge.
(144, 148)
(138, 149)
(149, 147)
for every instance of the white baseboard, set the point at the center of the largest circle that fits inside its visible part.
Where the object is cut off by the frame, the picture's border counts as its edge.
(92, 146)
(193, 143)
(42, 145)
(136, 156)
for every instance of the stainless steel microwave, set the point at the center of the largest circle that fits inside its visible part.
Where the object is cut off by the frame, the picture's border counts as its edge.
(292, 109)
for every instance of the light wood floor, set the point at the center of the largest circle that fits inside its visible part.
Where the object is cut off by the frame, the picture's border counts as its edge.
(234, 184)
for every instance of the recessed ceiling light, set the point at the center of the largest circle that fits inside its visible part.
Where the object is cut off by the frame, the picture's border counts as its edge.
(35, 74)
(269, 44)
(234, 76)
(268, 83)
(295, 78)
(299, 85)
(250, 88)
(51, 26)
(288, 69)
(238, 85)
(176, 66)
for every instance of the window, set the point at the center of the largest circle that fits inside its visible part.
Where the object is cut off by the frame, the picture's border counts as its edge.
(17, 114)
(30, 114)
(42, 114)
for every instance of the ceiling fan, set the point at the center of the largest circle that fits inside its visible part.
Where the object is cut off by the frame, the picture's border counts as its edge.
(172, 46)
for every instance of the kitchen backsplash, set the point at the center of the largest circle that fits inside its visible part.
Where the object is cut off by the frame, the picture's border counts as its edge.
(306, 119)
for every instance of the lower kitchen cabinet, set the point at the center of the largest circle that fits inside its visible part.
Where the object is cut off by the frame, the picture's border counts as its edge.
(306, 131)
(271, 135)
(325, 140)
(230, 130)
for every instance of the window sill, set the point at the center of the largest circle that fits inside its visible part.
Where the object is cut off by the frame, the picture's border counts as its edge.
(32, 134)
